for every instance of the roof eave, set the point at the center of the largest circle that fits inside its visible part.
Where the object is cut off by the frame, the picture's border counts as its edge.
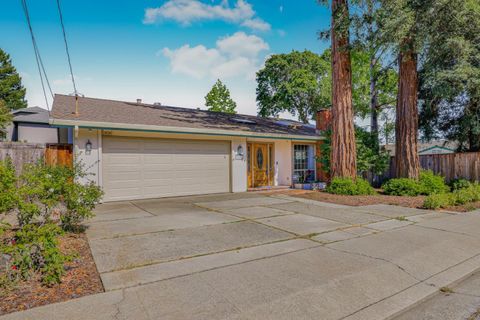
(177, 130)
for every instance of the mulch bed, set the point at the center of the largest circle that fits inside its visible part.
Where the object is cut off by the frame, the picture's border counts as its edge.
(81, 279)
(410, 202)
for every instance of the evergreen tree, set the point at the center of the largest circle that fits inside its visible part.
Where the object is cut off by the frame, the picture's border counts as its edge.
(450, 75)
(406, 27)
(219, 100)
(12, 91)
(344, 153)
(5, 118)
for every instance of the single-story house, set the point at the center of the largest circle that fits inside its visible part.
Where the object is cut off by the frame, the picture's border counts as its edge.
(137, 151)
(32, 125)
(432, 147)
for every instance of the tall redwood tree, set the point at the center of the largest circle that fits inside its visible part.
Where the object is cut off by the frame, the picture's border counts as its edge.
(343, 152)
(407, 163)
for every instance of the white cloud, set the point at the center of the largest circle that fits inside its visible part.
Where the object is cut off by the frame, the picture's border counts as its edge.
(193, 61)
(256, 24)
(186, 12)
(233, 56)
(241, 44)
(67, 80)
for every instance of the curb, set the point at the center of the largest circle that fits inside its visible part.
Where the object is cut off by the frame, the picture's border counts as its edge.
(401, 302)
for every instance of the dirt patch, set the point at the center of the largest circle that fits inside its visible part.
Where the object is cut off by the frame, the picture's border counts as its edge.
(411, 202)
(465, 208)
(81, 279)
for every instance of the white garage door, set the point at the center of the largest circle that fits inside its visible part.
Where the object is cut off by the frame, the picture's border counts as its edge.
(136, 168)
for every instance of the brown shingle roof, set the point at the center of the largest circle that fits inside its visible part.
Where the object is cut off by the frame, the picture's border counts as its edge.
(121, 112)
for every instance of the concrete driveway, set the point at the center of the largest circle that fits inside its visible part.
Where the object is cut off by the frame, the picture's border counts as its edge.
(252, 256)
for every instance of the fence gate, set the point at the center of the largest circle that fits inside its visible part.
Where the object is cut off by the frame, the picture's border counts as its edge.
(59, 154)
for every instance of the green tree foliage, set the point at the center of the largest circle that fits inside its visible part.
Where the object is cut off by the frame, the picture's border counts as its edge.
(368, 158)
(12, 91)
(301, 83)
(5, 118)
(219, 100)
(295, 82)
(450, 75)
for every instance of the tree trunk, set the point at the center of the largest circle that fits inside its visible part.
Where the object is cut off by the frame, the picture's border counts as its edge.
(343, 157)
(407, 164)
(374, 106)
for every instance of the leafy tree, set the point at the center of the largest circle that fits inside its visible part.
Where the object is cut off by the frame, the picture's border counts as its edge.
(219, 100)
(12, 91)
(378, 75)
(450, 75)
(5, 117)
(296, 82)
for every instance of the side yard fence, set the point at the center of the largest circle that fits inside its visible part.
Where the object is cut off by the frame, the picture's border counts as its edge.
(451, 166)
(22, 153)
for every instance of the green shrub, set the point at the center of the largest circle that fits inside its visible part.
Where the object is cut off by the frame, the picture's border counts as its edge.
(470, 194)
(431, 183)
(45, 189)
(439, 200)
(8, 180)
(79, 200)
(42, 197)
(35, 249)
(458, 184)
(428, 183)
(402, 187)
(348, 186)
(456, 198)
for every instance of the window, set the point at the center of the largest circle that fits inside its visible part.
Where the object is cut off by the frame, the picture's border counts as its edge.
(303, 163)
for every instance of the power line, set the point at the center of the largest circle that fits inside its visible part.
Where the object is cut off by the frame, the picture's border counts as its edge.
(66, 47)
(38, 58)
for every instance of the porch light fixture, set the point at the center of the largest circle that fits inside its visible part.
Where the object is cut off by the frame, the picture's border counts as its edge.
(240, 154)
(88, 147)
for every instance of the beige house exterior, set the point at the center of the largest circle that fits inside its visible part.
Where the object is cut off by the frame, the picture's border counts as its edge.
(141, 151)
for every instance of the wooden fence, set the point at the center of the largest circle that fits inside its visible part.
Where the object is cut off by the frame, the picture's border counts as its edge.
(452, 165)
(22, 153)
(59, 154)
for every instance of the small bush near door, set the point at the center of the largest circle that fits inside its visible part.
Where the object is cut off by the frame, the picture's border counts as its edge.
(348, 186)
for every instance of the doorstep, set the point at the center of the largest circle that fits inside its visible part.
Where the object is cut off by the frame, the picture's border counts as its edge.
(269, 188)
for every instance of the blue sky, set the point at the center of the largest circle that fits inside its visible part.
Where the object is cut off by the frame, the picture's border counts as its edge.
(161, 51)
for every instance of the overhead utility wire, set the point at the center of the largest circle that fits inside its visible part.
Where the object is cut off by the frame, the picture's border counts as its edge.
(38, 57)
(66, 48)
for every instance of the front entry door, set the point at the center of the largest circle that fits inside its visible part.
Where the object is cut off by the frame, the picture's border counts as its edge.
(260, 165)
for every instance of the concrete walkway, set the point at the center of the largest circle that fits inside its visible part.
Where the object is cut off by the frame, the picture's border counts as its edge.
(251, 256)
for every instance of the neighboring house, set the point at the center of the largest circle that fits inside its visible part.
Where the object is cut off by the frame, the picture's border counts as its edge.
(432, 147)
(138, 151)
(32, 125)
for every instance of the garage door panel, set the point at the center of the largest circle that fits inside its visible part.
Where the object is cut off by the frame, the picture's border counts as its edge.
(136, 168)
(124, 159)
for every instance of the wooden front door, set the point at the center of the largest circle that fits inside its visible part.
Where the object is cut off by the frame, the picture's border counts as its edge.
(260, 166)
